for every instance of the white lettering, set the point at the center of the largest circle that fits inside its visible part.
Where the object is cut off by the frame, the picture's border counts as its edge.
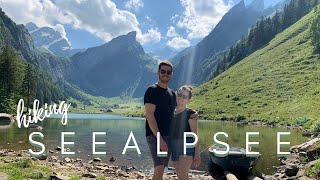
(160, 153)
(131, 136)
(279, 143)
(36, 143)
(221, 153)
(37, 115)
(189, 145)
(248, 152)
(63, 143)
(98, 143)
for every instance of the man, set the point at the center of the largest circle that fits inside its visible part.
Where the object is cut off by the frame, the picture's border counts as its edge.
(160, 103)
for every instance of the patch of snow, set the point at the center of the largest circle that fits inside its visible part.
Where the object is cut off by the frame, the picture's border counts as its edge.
(34, 30)
(48, 45)
(44, 34)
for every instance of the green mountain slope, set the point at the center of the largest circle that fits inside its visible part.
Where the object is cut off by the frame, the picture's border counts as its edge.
(200, 60)
(17, 52)
(277, 83)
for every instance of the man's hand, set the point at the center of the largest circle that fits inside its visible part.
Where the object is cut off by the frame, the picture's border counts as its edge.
(163, 145)
(194, 116)
(196, 160)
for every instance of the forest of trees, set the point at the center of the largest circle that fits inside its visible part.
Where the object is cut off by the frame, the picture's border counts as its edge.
(19, 79)
(265, 30)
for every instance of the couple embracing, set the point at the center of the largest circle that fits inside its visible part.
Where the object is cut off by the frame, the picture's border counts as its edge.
(166, 112)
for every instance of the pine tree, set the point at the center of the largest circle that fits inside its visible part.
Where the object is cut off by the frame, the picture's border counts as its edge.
(260, 34)
(10, 77)
(28, 88)
(288, 16)
(268, 30)
(276, 25)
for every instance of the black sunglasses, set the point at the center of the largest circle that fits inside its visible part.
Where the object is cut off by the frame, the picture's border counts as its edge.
(179, 94)
(162, 71)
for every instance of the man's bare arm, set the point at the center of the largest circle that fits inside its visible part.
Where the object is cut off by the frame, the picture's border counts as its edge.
(149, 109)
(149, 112)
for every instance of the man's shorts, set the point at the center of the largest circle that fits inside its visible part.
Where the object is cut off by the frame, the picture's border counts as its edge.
(152, 143)
(176, 148)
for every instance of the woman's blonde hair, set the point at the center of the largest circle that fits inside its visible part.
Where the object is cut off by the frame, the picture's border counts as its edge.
(187, 88)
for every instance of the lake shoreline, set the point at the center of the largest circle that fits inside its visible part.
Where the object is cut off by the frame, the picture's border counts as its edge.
(302, 163)
(51, 167)
(259, 123)
(215, 127)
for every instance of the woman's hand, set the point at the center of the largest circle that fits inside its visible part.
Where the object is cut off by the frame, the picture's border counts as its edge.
(196, 160)
(194, 116)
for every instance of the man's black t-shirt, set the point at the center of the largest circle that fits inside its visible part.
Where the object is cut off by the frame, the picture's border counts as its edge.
(165, 102)
(180, 124)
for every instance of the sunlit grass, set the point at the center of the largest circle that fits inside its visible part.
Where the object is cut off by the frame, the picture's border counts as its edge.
(278, 83)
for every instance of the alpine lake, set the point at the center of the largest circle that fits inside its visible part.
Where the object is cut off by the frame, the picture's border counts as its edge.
(118, 128)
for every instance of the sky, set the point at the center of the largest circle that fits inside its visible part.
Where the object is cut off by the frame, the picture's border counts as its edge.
(159, 23)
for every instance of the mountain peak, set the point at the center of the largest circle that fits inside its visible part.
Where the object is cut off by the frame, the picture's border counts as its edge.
(49, 38)
(131, 36)
(132, 33)
(31, 26)
(241, 4)
(128, 38)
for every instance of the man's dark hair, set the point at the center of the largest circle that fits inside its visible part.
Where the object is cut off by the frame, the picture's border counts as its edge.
(165, 63)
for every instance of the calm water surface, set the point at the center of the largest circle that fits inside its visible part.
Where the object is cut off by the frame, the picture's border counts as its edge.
(118, 128)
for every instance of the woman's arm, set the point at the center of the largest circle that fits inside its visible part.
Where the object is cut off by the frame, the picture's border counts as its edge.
(194, 128)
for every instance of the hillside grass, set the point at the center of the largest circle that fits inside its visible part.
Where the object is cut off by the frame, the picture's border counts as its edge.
(280, 82)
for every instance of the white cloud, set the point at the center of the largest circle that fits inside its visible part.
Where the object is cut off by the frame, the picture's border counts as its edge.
(201, 16)
(178, 43)
(134, 4)
(172, 32)
(174, 19)
(152, 36)
(62, 31)
(99, 17)
(43, 13)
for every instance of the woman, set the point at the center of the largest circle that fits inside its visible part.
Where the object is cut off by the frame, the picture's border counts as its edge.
(182, 123)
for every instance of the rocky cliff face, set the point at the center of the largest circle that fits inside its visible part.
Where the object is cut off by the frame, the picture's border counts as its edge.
(17, 36)
(118, 68)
